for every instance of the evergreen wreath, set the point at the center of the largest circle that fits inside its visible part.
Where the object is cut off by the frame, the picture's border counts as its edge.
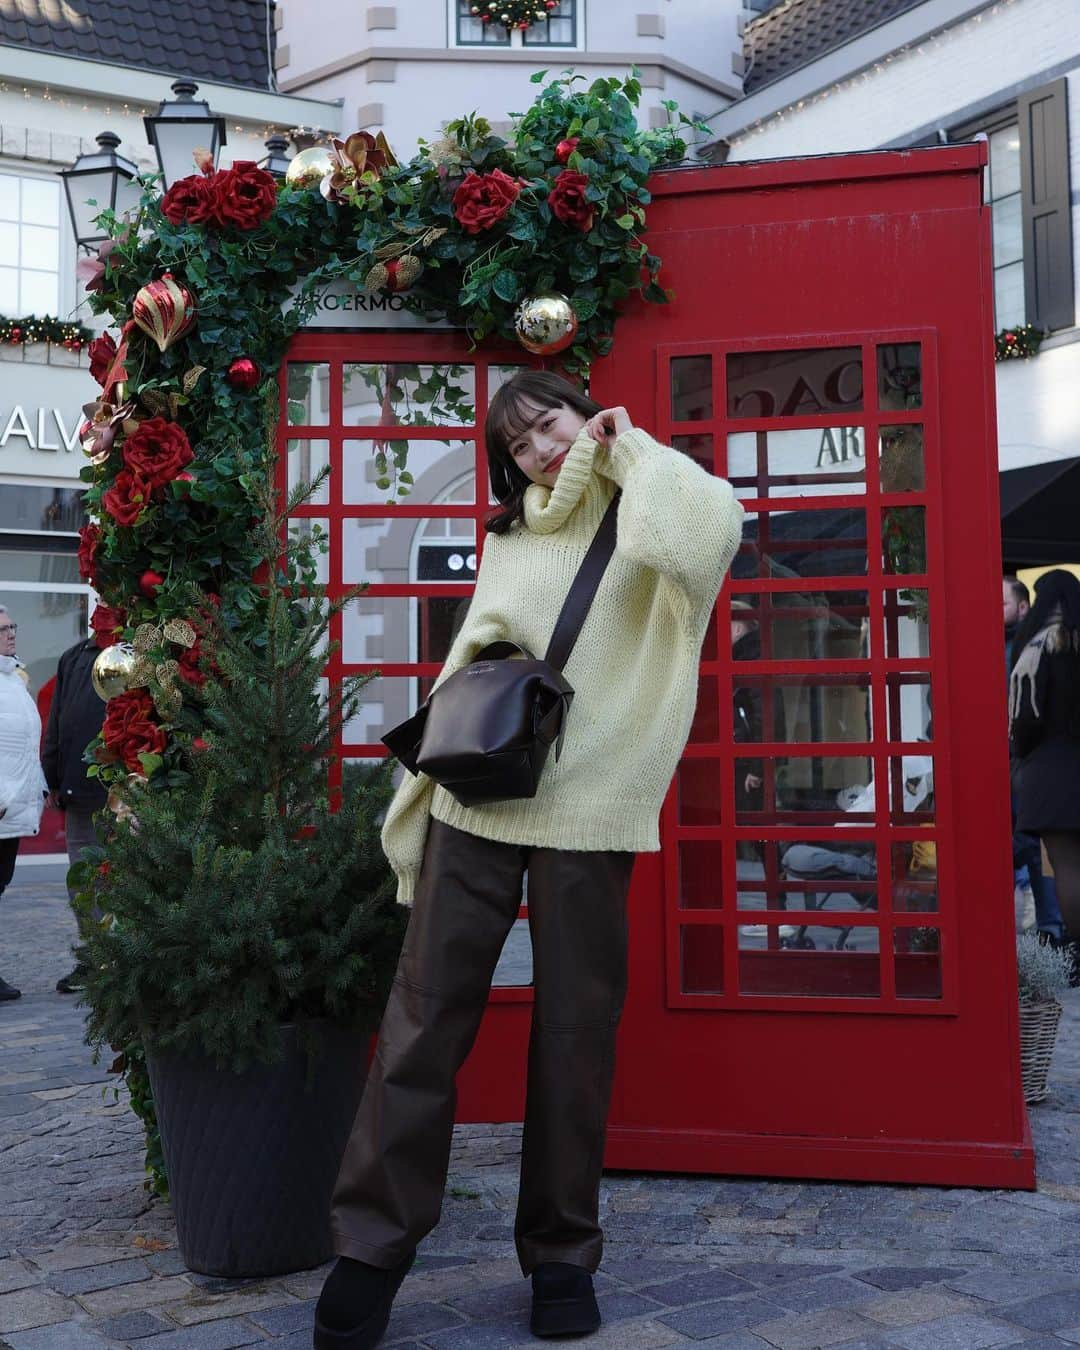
(520, 14)
(21, 332)
(1018, 343)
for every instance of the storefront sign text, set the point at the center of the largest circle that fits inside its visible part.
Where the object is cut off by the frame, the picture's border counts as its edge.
(42, 429)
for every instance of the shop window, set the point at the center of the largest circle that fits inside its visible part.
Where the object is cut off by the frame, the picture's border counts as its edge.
(29, 245)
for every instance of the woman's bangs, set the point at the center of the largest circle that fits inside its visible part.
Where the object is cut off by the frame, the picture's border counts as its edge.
(513, 411)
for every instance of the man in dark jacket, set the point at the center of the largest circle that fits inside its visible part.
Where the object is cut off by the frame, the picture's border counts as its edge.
(75, 718)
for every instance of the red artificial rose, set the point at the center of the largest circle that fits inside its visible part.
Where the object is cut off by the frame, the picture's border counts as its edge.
(190, 201)
(244, 196)
(127, 499)
(566, 148)
(149, 582)
(101, 352)
(567, 200)
(189, 664)
(89, 538)
(157, 451)
(107, 623)
(484, 198)
(129, 729)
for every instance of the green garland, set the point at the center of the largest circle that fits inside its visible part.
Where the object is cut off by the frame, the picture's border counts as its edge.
(22, 332)
(1019, 343)
(513, 13)
(196, 530)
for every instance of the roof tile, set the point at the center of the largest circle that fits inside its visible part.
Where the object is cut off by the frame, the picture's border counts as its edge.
(225, 41)
(796, 32)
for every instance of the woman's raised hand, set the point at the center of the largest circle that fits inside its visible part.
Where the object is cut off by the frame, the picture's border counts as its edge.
(604, 426)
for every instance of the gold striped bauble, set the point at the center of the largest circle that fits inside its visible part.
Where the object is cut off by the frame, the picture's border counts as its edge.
(164, 310)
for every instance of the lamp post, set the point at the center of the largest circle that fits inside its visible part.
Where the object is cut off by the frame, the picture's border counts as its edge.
(179, 128)
(276, 162)
(98, 182)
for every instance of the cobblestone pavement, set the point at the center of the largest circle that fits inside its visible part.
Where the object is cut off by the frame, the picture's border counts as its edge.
(88, 1260)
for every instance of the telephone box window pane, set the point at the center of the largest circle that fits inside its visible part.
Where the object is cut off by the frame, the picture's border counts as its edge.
(914, 876)
(824, 961)
(400, 551)
(902, 465)
(830, 872)
(907, 623)
(802, 711)
(803, 626)
(702, 959)
(804, 383)
(691, 388)
(903, 540)
(419, 472)
(305, 460)
(911, 709)
(500, 375)
(699, 792)
(830, 543)
(917, 957)
(807, 790)
(899, 371)
(808, 462)
(699, 447)
(398, 630)
(307, 394)
(406, 394)
(911, 789)
(317, 535)
(706, 724)
(700, 873)
(384, 702)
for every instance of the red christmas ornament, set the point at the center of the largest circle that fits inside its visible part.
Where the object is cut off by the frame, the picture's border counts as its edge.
(198, 745)
(164, 310)
(566, 148)
(243, 374)
(149, 582)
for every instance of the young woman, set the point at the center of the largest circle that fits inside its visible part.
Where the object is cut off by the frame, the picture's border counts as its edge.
(1044, 717)
(556, 459)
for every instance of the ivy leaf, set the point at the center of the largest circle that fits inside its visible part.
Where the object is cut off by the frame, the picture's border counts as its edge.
(507, 285)
(538, 76)
(625, 222)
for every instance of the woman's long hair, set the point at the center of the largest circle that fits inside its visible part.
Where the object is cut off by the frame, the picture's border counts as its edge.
(1057, 599)
(511, 412)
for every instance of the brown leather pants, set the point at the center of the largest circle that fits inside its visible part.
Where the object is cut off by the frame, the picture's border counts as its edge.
(390, 1187)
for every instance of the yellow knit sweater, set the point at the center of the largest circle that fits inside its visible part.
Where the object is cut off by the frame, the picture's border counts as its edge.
(634, 667)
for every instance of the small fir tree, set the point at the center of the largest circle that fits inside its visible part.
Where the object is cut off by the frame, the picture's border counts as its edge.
(237, 896)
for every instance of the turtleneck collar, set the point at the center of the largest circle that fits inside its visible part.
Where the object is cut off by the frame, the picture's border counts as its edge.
(548, 509)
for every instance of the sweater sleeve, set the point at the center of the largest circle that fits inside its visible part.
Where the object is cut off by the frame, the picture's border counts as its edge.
(50, 750)
(674, 517)
(405, 828)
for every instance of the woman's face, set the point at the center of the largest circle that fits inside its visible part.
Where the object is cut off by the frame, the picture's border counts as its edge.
(540, 449)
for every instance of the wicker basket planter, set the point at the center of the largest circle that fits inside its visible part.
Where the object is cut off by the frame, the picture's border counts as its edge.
(1038, 1031)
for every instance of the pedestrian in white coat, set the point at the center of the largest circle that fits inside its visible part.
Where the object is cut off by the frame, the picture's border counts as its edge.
(22, 783)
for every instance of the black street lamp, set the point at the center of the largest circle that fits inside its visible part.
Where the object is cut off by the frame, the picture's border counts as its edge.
(181, 127)
(99, 182)
(276, 162)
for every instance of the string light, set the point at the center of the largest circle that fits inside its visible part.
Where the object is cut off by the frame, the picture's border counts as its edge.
(22, 332)
(765, 124)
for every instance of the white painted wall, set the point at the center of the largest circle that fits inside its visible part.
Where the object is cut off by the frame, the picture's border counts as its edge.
(418, 94)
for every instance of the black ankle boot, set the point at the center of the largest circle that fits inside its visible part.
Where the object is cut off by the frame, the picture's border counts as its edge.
(563, 1302)
(354, 1308)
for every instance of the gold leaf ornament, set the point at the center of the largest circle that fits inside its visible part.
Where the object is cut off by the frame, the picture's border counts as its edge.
(180, 632)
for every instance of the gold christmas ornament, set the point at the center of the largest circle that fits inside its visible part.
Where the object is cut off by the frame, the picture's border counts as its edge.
(308, 168)
(113, 670)
(165, 311)
(545, 323)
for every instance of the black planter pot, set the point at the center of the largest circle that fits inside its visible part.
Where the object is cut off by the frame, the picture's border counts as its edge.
(252, 1157)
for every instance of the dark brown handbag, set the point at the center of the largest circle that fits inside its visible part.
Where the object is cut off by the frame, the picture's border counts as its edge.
(485, 734)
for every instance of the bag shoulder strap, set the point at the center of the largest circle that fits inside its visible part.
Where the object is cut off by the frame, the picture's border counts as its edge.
(583, 589)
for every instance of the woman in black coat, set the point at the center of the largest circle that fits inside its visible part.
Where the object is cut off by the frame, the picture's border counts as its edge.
(1044, 720)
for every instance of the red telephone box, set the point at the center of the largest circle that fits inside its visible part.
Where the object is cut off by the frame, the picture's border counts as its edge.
(822, 974)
